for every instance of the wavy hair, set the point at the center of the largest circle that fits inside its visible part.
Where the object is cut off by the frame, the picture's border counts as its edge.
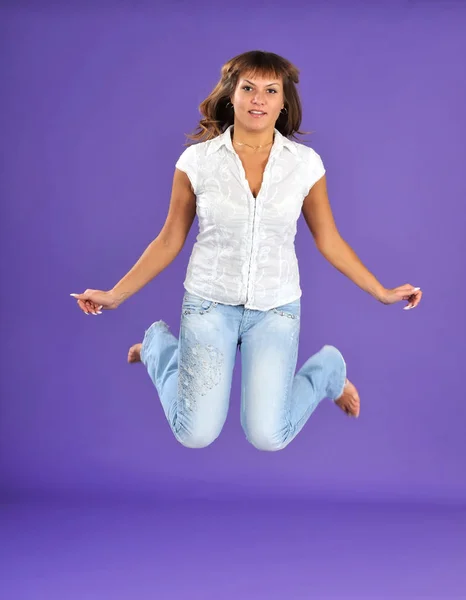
(217, 115)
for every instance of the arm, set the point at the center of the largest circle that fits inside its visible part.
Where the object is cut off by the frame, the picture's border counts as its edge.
(167, 245)
(319, 218)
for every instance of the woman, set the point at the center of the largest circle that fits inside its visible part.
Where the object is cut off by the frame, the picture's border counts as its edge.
(248, 182)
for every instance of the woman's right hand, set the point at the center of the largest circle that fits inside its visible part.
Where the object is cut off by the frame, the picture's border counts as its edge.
(93, 301)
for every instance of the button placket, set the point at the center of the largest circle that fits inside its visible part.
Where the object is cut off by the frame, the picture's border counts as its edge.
(258, 207)
(253, 227)
(251, 217)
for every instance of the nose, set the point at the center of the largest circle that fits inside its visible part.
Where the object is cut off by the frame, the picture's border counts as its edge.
(258, 99)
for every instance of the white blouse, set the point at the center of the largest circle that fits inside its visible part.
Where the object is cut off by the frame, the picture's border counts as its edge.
(244, 252)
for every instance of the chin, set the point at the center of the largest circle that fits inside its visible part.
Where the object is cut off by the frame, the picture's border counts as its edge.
(256, 123)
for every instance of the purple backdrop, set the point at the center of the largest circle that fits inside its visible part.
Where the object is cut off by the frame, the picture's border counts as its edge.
(95, 102)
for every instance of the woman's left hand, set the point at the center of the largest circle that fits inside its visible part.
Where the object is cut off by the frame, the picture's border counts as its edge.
(404, 292)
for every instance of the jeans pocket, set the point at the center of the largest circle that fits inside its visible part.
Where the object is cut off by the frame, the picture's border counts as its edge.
(193, 304)
(292, 310)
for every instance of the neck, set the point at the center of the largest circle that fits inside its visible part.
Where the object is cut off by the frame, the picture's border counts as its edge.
(253, 138)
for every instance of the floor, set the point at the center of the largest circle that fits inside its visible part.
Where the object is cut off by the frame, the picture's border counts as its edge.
(250, 548)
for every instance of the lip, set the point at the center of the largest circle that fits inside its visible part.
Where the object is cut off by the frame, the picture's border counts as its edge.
(257, 116)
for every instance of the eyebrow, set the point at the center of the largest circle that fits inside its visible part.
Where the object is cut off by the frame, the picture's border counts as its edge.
(274, 83)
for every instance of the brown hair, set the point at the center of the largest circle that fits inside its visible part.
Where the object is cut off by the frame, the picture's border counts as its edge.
(218, 116)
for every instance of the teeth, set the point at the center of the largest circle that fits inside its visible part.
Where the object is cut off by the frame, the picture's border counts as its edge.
(256, 112)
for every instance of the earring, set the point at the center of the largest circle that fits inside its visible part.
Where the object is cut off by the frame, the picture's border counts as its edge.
(284, 113)
(229, 103)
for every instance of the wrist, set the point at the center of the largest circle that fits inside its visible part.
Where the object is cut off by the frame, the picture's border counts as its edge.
(380, 293)
(118, 297)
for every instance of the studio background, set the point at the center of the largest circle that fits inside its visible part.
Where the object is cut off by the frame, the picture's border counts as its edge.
(96, 99)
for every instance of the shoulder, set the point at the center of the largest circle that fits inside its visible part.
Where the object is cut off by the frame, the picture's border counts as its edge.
(196, 152)
(306, 153)
(313, 165)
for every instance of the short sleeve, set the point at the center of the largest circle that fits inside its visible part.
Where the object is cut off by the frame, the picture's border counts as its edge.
(187, 163)
(316, 168)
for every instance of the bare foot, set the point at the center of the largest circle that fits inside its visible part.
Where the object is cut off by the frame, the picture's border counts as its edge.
(349, 400)
(134, 353)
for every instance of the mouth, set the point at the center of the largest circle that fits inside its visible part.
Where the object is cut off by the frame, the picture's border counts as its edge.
(257, 114)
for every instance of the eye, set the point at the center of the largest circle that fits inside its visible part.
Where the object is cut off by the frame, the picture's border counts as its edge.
(248, 86)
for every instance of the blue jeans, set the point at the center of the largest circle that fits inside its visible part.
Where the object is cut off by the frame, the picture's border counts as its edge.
(193, 375)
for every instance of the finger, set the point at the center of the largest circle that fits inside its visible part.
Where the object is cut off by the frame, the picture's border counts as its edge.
(410, 306)
(404, 289)
(91, 306)
(408, 289)
(88, 305)
(417, 298)
(412, 295)
(96, 309)
(414, 300)
(82, 306)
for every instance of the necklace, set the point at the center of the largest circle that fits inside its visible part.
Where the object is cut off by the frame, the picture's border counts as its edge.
(253, 147)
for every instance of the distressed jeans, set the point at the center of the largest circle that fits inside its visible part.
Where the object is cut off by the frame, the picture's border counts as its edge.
(193, 375)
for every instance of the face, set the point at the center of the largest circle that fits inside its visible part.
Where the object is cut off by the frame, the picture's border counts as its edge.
(263, 94)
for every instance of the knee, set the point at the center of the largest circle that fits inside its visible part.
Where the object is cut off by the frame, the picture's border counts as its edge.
(197, 439)
(265, 440)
